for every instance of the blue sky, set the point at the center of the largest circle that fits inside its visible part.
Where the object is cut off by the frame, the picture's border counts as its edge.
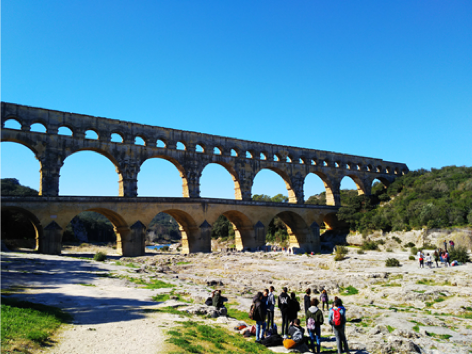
(391, 80)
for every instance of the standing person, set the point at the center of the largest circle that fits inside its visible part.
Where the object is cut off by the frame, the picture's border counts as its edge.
(337, 319)
(283, 304)
(259, 315)
(324, 300)
(307, 299)
(293, 308)
(451, 244)
(216, 298)
(445, 245)
(270, 309)
(428, 259)
(314, 320)
(436, 258)
(420, 258)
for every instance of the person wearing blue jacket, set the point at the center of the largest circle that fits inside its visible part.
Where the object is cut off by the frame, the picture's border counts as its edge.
(339, 330)
(270, 309)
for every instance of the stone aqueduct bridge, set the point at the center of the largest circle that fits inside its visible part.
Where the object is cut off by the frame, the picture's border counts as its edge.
(130, 214)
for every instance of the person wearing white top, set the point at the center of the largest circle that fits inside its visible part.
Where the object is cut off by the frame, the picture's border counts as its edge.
(429, 260)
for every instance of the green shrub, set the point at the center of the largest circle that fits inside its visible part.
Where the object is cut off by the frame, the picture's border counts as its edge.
(389, 250)
(392, 262)
(370, 246)
(409, 245)
(360, 251)
(459, 254)
(414, 250)
(412, 258)
(395, 238)
(380, 242)
(100, 257)
(350, 290)
(165, 248)
(340, 253)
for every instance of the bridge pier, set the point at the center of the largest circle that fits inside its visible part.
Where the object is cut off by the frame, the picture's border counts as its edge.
(50, 242)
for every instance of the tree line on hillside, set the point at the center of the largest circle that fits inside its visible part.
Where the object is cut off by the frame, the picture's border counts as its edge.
(439, 198)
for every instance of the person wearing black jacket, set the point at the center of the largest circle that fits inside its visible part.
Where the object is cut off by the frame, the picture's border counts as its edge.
(260, 312)
(307, 300)
(293, 308)
(283, 302)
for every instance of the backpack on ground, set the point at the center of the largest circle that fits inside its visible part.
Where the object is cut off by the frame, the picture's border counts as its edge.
(289, 343)
(337, 318)
(209, 301)
(252, 311)
(273, 341)
(311, 324)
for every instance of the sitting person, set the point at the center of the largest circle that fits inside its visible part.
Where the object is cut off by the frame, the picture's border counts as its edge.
(296, 332)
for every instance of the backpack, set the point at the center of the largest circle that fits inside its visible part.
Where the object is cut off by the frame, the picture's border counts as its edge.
(337, 318)
(310, 324)
(289, 343)
(272, 341)
(323, 297)
(252, 311)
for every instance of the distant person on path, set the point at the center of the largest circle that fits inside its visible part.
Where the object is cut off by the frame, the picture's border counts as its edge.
(283, 304)
(307, 300)
(445, 245)
(451, 244)
(259, 315)
(421, 258)
(429, 261)
(436, 258)
(293, 308)
(314, 320)
(270, 309)
(337, 319)
(324, 299)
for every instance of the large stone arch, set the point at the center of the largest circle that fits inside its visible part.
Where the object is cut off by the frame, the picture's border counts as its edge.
(121, 167)
(243, 229)
(178, 166)
(192, 240)
(301, 237)
(328, 184)
(35, 222)
(238, 194)
(360, 185)
(292, 197)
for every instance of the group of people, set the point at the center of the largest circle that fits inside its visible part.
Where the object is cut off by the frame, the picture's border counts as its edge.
(263, 308)
(439, 255)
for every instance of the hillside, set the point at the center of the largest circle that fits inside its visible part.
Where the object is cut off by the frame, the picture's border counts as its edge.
(439, 198)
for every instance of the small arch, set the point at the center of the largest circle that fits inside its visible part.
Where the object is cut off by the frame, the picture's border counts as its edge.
(358, 167)
(263, 156)
(161, 143)
(249, 154)
(38, 128)
(12, 123)
(324, 163)
(91, 134)
(302, 161)
(388, 169)
(336, 164)
(217, 151)
(139, 141)
(395, 171)
(404, 172)
(378, 169)
(289, 159)
(313, 162)
(234, 153)
(199, 148)
(349, 166)
(276, 158)
(370, 168)
(65, 131)
(181, 146)
(116, 138)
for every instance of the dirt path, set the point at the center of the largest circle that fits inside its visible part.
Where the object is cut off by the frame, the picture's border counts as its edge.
(109, 317)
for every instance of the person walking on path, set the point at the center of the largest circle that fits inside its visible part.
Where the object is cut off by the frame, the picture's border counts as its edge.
(293, 308)
(260, 313)
(420, 258)
(324, 300)
(270, 309)
(314, 320)
(337, 319)
(307, 300)
(283, 304)
(436, 258)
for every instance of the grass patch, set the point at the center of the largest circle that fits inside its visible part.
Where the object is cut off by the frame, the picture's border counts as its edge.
(26, 325)
(239, 315)
(416, 328)
(127, 264)
(161, 297)
(350, 290)
(192, 337)
(425, 282)
(390, 329)
(85, 284)
(151, 284)
(169, 309)
(183, 263)
(391, 284)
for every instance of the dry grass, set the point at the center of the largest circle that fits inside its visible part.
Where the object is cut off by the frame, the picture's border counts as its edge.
(90, 248)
